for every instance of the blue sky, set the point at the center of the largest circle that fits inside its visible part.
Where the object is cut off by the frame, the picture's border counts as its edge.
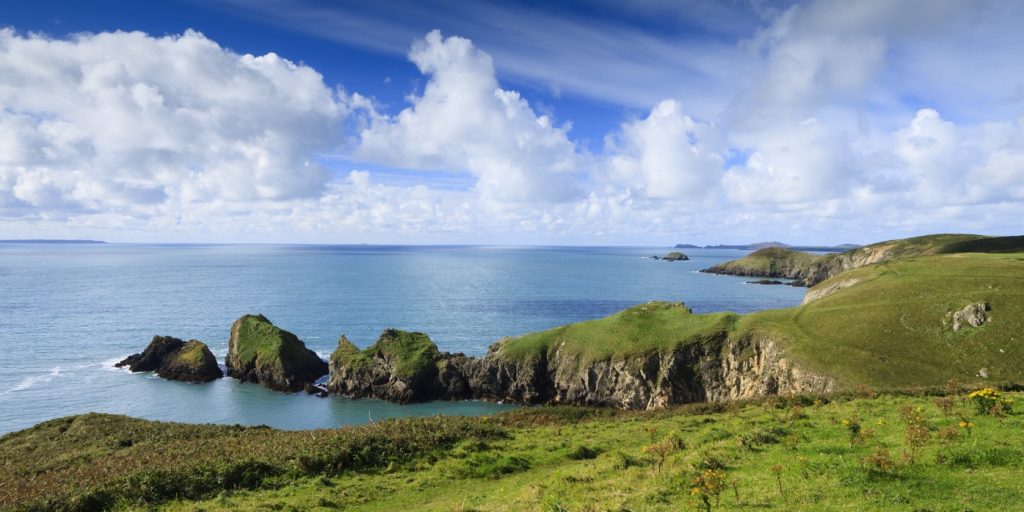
(501, 122)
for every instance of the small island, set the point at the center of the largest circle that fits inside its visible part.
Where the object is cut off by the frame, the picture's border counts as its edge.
(672, 256)
(174, 359)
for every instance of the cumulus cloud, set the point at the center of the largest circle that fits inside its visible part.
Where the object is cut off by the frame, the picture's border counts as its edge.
(463, 121)
(178, 137)
(802, 162)
(668, 154)
(126, 121)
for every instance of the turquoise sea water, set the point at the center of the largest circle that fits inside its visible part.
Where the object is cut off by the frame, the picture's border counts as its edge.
(68, 312)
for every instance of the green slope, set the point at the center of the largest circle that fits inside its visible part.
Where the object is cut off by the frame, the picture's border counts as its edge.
(891, 329)
(540, 458)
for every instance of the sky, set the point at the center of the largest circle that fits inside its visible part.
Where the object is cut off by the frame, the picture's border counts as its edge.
(533, 123)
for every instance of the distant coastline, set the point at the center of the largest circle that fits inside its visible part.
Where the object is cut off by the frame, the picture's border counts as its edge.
(763, 245)
(50, 241)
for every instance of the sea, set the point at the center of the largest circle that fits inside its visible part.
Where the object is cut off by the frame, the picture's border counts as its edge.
(68, 312)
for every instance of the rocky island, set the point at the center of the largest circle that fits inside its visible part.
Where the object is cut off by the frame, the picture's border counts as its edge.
(260, 352)
(174, 359)
(672, 256)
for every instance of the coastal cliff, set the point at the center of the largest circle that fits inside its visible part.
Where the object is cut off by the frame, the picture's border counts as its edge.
(708, 366)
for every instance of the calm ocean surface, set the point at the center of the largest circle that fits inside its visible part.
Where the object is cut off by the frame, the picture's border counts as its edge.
(69, 312)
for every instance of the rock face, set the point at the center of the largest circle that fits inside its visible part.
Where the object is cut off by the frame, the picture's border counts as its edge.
(175, 359)
(973, 315)
(260, 352)
(714, 370)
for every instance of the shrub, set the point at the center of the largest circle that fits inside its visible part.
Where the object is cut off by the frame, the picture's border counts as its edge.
(708, 485)
(991, 402)
(878, 462)
(584, 453)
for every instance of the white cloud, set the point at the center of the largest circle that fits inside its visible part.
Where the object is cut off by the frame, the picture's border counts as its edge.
(802, 162)
(464, 122)
(125, 121)
(668, 154)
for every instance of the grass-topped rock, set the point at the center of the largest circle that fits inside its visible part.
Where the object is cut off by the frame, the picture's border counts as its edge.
(263, 353)
(401, 366)
(172, 358)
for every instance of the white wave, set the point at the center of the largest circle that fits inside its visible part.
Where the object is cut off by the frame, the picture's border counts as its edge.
(108, 364)
(29, 382)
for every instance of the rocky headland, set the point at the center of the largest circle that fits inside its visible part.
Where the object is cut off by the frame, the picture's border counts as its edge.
(174, 359)
(260, 352)
(407, 367)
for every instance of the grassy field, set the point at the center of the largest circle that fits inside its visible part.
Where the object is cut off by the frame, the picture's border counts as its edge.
(858, 451)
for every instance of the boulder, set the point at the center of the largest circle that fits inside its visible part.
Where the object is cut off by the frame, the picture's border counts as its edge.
(973, 315)
(174, 359)
(262, 353)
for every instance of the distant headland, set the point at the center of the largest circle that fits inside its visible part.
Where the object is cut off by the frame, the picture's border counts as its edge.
(50, 241)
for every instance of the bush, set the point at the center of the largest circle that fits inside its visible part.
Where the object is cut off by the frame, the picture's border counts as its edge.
(991, 402)
(584, 453)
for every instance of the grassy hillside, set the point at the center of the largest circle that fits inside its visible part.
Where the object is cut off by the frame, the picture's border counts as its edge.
(888, 452)
(891, 329)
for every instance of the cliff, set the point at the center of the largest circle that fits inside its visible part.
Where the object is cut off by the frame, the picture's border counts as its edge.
(260, 352)
(702, 363)
(174, 359)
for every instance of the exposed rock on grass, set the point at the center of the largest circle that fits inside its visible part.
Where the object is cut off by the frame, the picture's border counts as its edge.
(973, 315)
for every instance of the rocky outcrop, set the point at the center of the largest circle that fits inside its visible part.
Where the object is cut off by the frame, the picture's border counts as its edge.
(824, 291)
(172, 358)
(401, 367)
(260, 352)
(715, 369)
(672, 256)
(973, 315)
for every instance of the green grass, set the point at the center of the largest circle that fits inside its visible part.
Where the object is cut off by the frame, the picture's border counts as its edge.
(655, 326)
(545, 458)
(410, 353)
(892, 328)
(192, 354)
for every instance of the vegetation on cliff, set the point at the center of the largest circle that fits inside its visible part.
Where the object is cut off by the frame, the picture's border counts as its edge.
(409, 353)
(651, 327)
(261, 352)
(926, 449)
